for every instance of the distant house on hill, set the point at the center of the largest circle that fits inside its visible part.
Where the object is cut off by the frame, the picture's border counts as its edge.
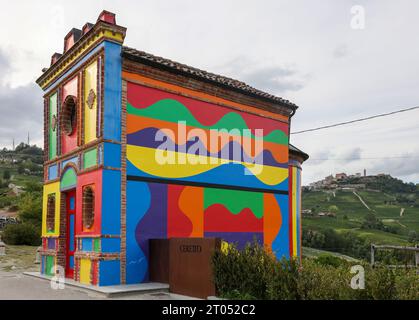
(341, 176)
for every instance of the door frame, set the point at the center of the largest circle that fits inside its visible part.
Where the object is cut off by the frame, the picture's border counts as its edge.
(69, 272)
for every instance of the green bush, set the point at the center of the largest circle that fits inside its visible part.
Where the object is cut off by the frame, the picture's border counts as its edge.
(22, 234)
(329, 260)
(243, 273)
(253, 273)
(323, 282)
(283, 282)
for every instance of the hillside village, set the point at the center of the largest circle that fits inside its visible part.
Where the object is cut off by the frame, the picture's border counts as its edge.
(396, 191)
(342, 181)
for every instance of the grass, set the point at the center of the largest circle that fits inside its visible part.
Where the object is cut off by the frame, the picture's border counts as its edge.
(351, 213)
(314, 253)
(19, 179)
(19, 259)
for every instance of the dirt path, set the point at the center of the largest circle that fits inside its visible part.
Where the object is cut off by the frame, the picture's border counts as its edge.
(362, 201)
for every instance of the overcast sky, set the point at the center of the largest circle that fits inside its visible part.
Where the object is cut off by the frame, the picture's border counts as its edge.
(305, 51)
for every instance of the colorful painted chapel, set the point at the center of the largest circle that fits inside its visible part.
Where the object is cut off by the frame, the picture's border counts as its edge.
(128, 158)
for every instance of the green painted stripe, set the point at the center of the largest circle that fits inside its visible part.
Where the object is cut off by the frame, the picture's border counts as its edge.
(235, 200)
(52, 133)
(173, 111)
(90, 158)
(49, 268)
(96, 245)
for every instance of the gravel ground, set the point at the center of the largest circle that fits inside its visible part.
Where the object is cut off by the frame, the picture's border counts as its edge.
(16, 286)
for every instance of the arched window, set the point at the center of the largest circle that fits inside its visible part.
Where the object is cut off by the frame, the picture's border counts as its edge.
(69, 115)
(50, 223)
(88, 207)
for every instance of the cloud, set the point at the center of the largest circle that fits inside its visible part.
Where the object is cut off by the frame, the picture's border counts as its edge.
(406, 166)
(21, 109)
(4, 65)
(272, 77)
(341, 51)
(350, 155)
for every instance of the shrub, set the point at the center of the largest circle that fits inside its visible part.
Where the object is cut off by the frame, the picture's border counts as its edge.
(30, 208)
(323, 282)
(242, 273)
(283, 283)
(6, 175)
(22, 234)
(329, 260)
(254, 273)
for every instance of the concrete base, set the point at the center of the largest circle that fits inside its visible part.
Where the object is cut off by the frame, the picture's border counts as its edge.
(110, 291)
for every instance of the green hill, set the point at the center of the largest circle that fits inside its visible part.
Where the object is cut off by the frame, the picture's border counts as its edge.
(352, 215)
(18, 168)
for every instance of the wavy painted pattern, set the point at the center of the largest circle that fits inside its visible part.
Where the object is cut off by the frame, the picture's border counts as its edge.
(223, 148)
(204, 169)
(180, 133)
(235, 201)
(159, 210)
(173, 111)
(206, 113)
(138, 204)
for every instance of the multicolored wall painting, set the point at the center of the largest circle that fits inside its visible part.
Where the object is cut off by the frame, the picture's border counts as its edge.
(82, 170)
(227, 198)
(132, 156)
(160, 210)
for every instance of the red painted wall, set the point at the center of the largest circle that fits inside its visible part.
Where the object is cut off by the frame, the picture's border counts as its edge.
(69, 143)
(90, 178)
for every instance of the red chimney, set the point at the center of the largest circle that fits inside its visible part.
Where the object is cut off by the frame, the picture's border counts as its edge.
(107, 16)
(86, 28)
(71, 38)
(55, 57)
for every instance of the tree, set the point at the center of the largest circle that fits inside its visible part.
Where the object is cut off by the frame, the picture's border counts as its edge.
(413, 236)
(333, 209)
(372, 222)
(22, 234)
(30, 208)
(20, 169)
(6, 175)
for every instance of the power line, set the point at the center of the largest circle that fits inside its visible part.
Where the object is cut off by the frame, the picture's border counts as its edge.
(357, 120)
(365, 158)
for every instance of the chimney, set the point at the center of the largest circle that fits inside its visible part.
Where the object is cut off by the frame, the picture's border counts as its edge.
(71, 38)
(86, 28)
(55, 57)
(107, 17)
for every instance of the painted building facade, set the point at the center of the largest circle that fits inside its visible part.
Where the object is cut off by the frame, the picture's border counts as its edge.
(139, 147)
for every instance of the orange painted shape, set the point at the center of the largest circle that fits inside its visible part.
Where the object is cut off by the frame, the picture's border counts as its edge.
(191, 202)
(204, 96)
(272, 219)
(137, 123)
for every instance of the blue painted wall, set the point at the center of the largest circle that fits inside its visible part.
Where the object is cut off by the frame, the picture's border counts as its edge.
(112, 92)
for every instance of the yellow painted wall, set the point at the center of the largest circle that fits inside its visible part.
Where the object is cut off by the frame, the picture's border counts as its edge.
(85, 267)
(90, 115)
(294, 211)
(52, 188)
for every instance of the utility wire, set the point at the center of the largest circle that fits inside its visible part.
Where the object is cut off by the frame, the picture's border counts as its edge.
(357, 120)
(365, 158)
